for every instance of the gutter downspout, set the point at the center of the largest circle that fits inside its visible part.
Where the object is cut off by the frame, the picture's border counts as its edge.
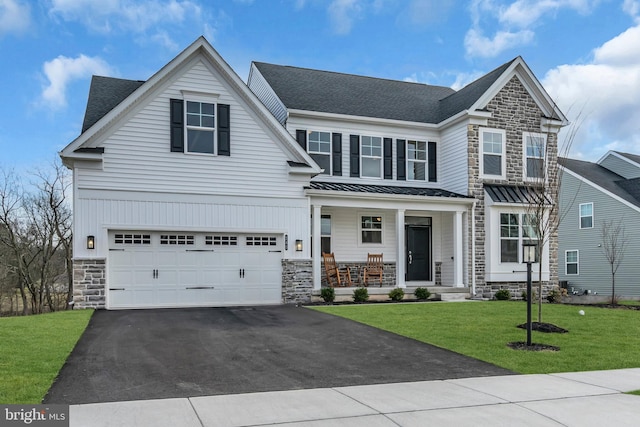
(473, 250)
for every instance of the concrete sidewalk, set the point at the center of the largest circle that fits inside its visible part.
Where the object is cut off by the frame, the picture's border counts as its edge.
(572, 399)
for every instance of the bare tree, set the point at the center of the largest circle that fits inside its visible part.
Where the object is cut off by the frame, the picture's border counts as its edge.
(36, 234)
(614, 243)
(543, 214)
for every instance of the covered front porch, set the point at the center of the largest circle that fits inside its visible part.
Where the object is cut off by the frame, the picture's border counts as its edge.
(421, 234)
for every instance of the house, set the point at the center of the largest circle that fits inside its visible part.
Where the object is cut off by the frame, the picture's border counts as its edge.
(195, 189)
(590, 195)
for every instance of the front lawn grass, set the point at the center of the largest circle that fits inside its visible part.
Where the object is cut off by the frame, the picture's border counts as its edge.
(601, 339)
(32, 351)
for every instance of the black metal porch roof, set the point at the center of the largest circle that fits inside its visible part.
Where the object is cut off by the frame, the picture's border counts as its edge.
(385, 189)
(515, 194)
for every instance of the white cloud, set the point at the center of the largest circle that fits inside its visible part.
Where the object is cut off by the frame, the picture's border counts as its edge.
(342, 13)
(602, 96)
(15, 16)
(476, 44)
(514, 23)
(632, 8)
(62, 70)
(139, 17)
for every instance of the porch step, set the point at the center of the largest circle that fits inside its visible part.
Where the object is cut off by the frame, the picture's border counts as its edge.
(450, 296)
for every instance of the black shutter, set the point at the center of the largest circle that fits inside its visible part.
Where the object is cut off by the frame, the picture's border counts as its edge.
(402, 160)
(176, 122)
(354, 155)
(388, 158)
(336, 149)
(224, 130)
(301, 137)
(432, 164)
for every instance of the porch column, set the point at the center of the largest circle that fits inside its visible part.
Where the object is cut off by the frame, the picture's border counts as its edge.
(400, 248)
(457, 250)
(317, 247)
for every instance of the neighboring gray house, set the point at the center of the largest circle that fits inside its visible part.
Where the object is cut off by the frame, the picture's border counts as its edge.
(591, 193)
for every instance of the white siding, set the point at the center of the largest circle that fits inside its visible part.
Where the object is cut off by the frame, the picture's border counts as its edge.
(97, 212)
(263, 91)
(137, 156)
(347, 128)
(454, 156)
(345, 234)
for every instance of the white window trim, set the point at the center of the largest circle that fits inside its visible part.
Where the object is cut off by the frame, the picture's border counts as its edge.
(593, 220)
(201, 99)
(360, 229)
(525, 176)
(425, 161)
(577, 263)
(330, 235)
(330, 153)
(503, 154)
(521, 239)
(380, 158)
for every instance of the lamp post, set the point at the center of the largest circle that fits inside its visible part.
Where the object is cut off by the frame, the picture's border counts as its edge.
(529, 257)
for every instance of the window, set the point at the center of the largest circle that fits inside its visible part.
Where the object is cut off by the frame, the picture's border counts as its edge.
(492, 162)
(221, 240)
(509, 237)
(176, 239)
(534, 148)
(571, 262)
(200, 127)
(586, 215)
(132, 239)
(417, 160)
(320, 149)
(515, 229)
(371, 229)
(325, 233)
(371, 156)
(261, 241)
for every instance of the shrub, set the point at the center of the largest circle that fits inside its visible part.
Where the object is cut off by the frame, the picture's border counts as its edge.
(328, 294)
(360, 295)
(503, 295)
(422, 293)
(396, 294)
(554, 296)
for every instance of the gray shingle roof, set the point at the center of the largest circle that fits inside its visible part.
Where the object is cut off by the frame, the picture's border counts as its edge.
(105, 93)
(632, 157)
(627, 189)
(385, 189)
(330, 92)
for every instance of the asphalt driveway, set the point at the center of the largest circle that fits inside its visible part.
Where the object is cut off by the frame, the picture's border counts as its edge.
(153, 354)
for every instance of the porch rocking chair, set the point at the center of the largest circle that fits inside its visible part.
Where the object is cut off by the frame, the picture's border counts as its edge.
(334, 276)
(374, 268)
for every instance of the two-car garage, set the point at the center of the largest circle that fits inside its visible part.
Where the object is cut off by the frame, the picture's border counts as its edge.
(183, 269)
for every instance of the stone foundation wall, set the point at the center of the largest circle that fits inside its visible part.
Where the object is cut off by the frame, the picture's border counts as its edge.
(89, 281)
(297, 281)
(357, 274)
(488, 290)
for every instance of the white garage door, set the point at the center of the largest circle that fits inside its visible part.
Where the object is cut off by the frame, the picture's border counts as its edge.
(193, 269)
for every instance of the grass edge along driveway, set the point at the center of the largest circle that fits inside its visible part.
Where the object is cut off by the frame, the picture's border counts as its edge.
(34, 349)
(601, 339)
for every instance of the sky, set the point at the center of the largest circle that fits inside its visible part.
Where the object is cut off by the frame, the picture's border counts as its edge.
(586, 53)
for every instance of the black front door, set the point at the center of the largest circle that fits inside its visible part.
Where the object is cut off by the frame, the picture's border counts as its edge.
(418, 252)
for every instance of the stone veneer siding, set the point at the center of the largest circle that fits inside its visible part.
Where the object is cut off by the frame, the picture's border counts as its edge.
(514, 111)
(89, 281)
(297, 281)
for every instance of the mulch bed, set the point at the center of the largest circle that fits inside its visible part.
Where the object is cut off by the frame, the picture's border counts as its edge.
(521, 345)
(544, 327)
